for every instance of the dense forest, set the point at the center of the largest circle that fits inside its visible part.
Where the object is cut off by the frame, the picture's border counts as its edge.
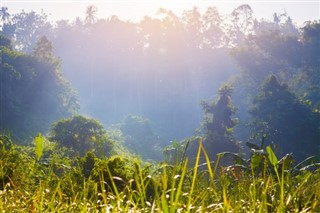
(91, 100)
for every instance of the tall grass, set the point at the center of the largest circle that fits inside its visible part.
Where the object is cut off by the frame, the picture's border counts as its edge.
(264, 185)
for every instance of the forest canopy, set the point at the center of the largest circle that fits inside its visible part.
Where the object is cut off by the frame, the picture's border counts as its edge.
(33, 90)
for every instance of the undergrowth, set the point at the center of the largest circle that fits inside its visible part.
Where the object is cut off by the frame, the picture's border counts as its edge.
(50, 180)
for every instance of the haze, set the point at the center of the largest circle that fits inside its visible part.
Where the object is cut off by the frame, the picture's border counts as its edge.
(300, 11)
(155, 72)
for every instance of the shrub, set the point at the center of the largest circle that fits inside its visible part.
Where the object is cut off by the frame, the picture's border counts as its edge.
(82, 135)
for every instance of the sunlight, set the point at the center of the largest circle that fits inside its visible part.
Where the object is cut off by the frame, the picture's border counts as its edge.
(213, 108)
(136, 10)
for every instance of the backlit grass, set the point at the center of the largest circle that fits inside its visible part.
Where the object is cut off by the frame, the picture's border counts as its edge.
(117, 184)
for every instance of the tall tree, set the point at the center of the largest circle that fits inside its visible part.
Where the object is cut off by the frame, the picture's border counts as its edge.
(193, 27)
(212, 28)
(4, 15)
(242, 24)
(28, 29)
(311, 51)
(91, 13)
(218, 123)
(310, 57)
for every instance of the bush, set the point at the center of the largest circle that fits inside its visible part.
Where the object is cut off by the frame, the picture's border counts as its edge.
(82, 135)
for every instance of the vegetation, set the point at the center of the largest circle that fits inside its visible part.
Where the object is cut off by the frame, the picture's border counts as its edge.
(32, 86)
(279, 114)
(218, 123)
(91, 184)
(82, 135)
(157, 71)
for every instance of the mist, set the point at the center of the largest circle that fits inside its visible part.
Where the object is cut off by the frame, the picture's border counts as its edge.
(152, 69)
(161, 69)
(198, 112)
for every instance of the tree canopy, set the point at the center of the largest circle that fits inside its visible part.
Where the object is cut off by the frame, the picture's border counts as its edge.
(159, 68)
(82, 134)
(290, 126)
(33, 92)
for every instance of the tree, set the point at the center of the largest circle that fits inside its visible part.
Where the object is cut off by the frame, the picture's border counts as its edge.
(212, 28)
(280, 52)
(218, 123)
(290, 126)
(82, 135)
(311, 52)
(28, 28)
(43, 50)
(193, 25)
(5, 42)
(4, 15)
(269, 51)
(33, 93)
(242, 24)
(91, 14)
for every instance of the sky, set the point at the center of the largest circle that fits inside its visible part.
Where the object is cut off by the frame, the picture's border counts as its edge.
(135, 10)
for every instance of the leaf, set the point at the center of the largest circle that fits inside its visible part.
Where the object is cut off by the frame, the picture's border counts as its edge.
(255, 160)
(272, 157)
(38, 141)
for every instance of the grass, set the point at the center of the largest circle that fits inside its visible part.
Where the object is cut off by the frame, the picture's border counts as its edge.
(117, 184)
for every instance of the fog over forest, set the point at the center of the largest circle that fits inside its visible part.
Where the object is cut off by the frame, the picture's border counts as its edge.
(229, 78)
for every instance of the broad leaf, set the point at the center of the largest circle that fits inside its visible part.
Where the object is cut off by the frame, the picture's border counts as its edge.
(38, 141)
(272, 157)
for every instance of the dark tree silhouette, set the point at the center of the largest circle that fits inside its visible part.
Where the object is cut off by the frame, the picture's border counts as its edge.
(91, 13)
(4, 15)
(218, 123)
(290, 126)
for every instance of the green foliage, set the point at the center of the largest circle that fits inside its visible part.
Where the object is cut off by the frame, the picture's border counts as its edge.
(272, 157)
(290, 125)
(82, 135)
(176, 151)
(121, 184)
(255, 160)
(272, 50)
(15, 165)
(44, 51)
(115, 170)
(5, 42)
(310, 52)
(49, 178)
(26, 28)
(5, 142)
(31, 88)
(218, 123)
(39, 143)
(88, 163)
(278, 48)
